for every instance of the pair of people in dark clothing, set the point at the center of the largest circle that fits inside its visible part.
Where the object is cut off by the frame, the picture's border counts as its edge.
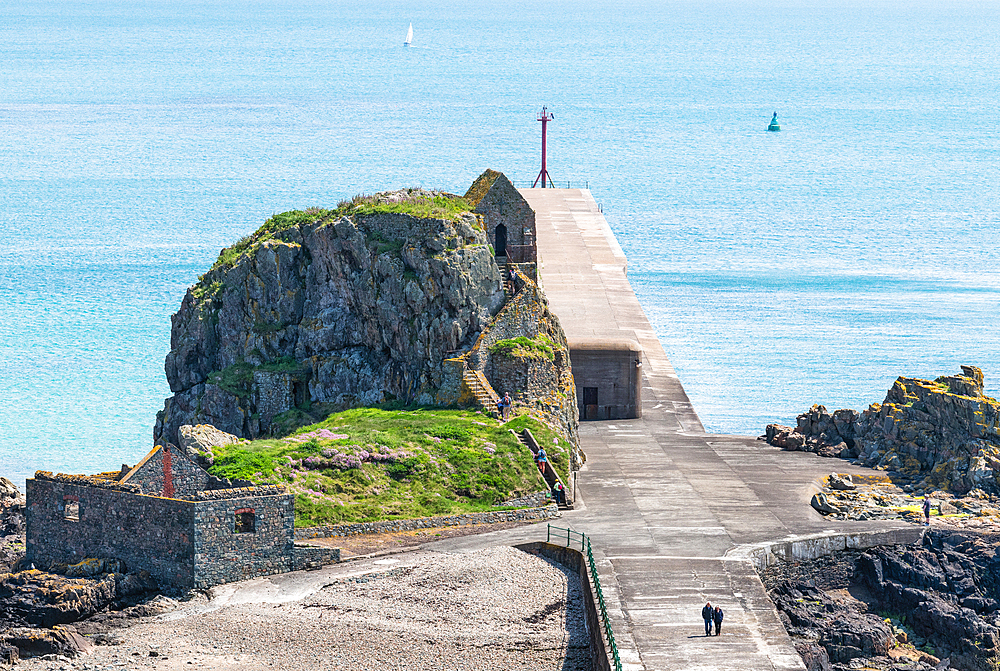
(712, 616)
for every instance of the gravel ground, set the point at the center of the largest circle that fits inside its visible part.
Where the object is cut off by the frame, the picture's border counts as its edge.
(495, 609)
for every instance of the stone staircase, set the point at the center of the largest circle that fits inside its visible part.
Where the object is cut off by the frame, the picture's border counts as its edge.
(526, 438)
(481, 389)
(508, 285)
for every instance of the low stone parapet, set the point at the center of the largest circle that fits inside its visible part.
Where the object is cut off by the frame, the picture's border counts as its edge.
(313, 556)
(390, 526)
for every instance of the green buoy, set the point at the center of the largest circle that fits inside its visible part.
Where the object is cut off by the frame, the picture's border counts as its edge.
(774, 123)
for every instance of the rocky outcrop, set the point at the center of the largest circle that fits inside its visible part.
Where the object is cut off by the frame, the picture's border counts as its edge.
(43, 599)
(524, 353)
(11, 524)
(346, 307)
(918, 605)
(198, 441)
(943, 433)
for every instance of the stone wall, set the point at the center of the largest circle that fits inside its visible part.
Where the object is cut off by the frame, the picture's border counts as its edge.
(314, 556)
(536, 500)
(391, 526)
(179, 477)
(226, 555)
(274, 393)
(500, 204)
(146, 532)
(600, 651)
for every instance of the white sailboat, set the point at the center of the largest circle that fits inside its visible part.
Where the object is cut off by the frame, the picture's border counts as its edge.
(409, 36)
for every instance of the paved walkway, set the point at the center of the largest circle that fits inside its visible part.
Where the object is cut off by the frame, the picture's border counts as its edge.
(671, 510)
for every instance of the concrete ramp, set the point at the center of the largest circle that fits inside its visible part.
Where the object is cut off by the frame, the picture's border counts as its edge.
(677, 516)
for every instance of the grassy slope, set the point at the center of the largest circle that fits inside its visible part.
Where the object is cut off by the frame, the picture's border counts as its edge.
(396, 464)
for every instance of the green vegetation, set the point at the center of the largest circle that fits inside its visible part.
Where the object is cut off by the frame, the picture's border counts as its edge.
(273, 228)
(372, 464)
(238, 378)
(235, 379)
(419, 204)
(207, 292)
(539, 346)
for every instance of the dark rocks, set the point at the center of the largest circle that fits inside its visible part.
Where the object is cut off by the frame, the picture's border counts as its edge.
(823, 505)
(43, 599)
(11, 524)
(936, 600)
(843, 483)
(38, 642)
(844, 632)
(814, 656)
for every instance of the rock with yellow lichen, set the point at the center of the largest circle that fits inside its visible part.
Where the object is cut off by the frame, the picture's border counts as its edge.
(43, 599)
(942, 433)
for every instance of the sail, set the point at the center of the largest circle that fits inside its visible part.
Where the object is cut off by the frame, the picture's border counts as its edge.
(409, 36)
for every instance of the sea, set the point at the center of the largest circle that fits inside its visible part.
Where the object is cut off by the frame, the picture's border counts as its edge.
(779, 269)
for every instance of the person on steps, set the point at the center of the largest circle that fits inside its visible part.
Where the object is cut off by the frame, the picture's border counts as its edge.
(540, 460)
(706, 614)
(717, 618)
(500, 408)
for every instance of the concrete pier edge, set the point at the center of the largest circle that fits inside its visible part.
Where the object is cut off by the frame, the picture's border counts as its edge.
(678, 517)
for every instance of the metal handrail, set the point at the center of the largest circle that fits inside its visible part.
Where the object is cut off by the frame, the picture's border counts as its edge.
(555, 185)
(571, 537)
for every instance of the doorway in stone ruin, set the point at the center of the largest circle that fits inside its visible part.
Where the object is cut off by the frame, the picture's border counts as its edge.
(500, 240)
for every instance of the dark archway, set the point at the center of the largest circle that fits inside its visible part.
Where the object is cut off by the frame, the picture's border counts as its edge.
(500, 240)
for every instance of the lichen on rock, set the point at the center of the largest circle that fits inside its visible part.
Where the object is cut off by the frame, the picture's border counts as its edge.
(943, 433)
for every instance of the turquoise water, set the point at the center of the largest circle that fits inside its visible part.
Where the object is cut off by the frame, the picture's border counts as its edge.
(779, 269)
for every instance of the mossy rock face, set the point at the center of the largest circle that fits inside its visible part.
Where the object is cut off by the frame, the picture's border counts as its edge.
(355, 305)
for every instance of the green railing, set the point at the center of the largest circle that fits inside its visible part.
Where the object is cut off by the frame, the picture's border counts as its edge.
(571, 537)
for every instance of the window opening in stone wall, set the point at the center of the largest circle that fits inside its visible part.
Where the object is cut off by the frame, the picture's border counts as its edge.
(245, 521)
(71, 508)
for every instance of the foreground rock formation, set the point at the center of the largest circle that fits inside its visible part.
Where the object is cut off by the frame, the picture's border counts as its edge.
(11, 524)
(942, 434)
(915, 607)
(329, 307)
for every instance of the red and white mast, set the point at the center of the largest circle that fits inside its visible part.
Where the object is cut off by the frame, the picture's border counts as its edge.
(545, 117)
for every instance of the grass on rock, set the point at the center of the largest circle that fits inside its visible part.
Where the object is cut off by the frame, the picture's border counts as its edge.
(370, 464)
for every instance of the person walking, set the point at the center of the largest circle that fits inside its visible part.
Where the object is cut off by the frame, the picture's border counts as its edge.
(500, 408)
(927, 510)
(707, 613)
(717, 618)
(507, 404)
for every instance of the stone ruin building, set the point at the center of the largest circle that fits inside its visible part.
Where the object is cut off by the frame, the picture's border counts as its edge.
(168, 516)
(507, 216)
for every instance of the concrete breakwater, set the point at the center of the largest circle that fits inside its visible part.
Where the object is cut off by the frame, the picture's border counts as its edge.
(665, 504)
